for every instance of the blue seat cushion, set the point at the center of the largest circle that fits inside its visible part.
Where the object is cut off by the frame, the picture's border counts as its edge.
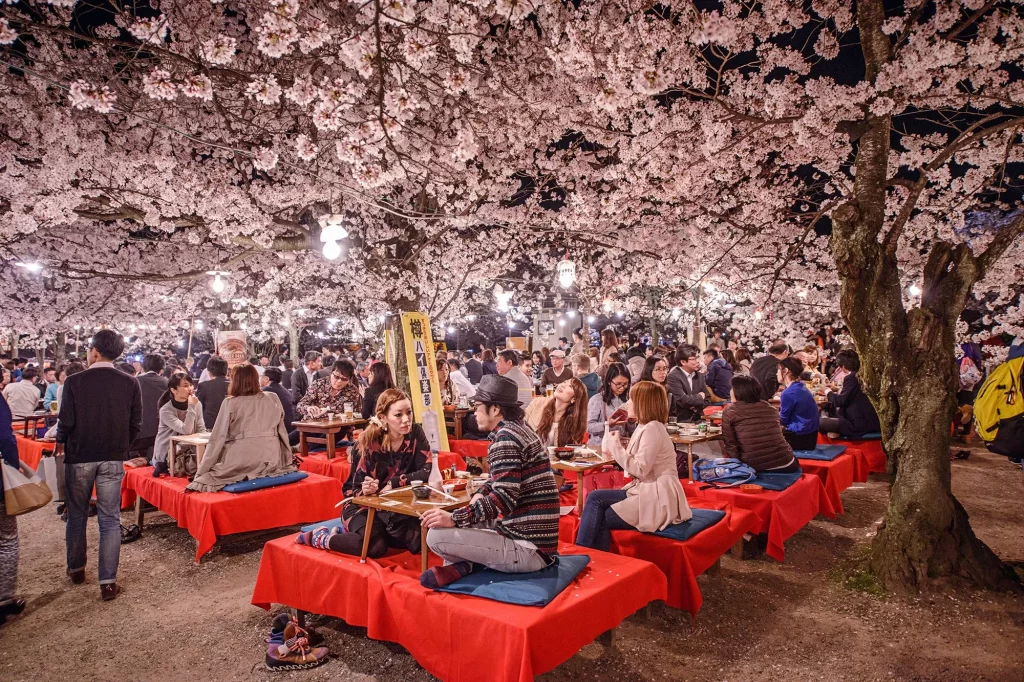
(766, 479)
(523, 589)
(702, 519)
(822, 452)
(329, 523)
(264, 482)
(874, 435)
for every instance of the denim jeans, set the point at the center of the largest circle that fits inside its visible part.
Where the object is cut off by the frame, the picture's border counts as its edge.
(485, 546)
(599, 519)
(79, 479)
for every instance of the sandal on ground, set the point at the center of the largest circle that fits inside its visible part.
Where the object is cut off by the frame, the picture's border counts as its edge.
(130, 534)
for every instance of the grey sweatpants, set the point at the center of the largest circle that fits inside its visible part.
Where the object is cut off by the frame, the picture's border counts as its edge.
(485, 546)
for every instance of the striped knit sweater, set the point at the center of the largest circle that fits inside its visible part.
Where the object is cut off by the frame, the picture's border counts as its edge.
(521, 496)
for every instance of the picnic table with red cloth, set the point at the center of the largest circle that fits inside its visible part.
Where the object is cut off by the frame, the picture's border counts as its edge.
(836, 475)
(209, 515)
(680, 561)
(457, 638)
(868, 455)
(30, 450)
(469, 448)
(780, 514)
(317, 463)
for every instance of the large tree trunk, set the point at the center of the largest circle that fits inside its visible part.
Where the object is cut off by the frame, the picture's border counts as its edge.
(907, 365)
(60, 349)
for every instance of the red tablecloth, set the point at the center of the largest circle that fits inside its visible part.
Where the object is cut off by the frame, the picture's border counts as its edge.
(682, 562)
(868, 455)
(30, 451)
(836, 475)
(470, 448)
(780, 514)
(338, 468)
(208, 515)
(457, 638)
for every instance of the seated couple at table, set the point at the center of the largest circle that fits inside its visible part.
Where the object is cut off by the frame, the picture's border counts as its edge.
(249, 439)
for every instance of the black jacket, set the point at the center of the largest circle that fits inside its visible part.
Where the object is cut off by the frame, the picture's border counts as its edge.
(300, 384)
(286, 402)
(857, 415)
(684, 403)
(286, 379)
(100, 415)
(475, 370)
(152, 386)
(370, 400)
(489, 367)
(211, 394)
(766, 370)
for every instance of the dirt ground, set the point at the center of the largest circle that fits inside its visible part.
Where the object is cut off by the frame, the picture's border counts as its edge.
(761, 620)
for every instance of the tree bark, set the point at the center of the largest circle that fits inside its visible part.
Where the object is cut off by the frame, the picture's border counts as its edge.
(60, 349)
(907, 367)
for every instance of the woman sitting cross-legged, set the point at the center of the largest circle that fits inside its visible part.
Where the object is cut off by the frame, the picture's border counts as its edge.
(181, 414)
(249, 439)
(752, 432)
(392, 452)
(654, 499)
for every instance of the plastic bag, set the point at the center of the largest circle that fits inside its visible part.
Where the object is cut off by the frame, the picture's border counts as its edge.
(24, 492)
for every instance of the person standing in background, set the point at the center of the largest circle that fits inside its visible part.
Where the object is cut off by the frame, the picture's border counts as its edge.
(9, 606)
(100, 415)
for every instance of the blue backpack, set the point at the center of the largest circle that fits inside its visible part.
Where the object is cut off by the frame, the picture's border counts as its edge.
(727, 470)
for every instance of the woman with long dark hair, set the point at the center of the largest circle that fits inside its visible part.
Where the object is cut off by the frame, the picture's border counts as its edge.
(181, 414)
(562, 418)
(381, 380)
(609, 344)
(614, 394)
(392, 452)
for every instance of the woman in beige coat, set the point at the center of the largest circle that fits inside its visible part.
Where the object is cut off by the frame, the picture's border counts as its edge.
(249, 439)
(654, 499)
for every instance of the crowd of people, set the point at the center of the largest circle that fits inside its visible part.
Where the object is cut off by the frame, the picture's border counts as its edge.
(618, 398)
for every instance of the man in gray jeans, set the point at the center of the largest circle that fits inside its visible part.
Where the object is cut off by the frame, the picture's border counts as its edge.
(511, 523)
(100, 416)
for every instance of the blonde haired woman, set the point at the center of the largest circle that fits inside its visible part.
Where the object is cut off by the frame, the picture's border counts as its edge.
(391, 452)
(654, 499)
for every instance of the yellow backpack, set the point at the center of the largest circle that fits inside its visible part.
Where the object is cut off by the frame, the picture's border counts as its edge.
(999, 409)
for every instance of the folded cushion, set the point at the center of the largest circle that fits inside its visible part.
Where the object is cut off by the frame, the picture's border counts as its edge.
(702, 519)
(766, 479)
(264, 482)
(329, 523)
(524, 589)
(822, 452)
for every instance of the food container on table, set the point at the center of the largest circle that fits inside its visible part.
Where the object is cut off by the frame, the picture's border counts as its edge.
(454, 486)
(420, 491)
(752, 488)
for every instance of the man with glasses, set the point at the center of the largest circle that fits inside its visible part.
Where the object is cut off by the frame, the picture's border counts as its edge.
(331, 393)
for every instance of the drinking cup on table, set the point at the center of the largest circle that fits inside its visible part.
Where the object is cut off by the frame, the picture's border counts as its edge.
(549, 390)
(348, 411)
(330, 416)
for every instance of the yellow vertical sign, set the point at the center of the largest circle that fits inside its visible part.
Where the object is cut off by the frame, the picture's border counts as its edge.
(423, 383)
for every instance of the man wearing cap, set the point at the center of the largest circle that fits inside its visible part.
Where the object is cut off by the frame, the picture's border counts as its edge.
(557, 372)
(511, 523)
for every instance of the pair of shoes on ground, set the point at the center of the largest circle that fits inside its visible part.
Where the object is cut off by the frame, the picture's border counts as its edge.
(288, 647)
(108, 591)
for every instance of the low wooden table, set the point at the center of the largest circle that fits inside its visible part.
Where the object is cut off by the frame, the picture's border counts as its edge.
(689, 442)
(34, 419)
(199, 440)
(581, 466)
(327, 428)
(456, 414)
(403, 502)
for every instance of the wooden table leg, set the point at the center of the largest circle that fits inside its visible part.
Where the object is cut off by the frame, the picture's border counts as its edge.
(139, 513)
(303, 444)
(579, 493)
(370, 513)
(458, 425)
(330, 446)
(423, 550)
(200, 452)
(170, 458)
(689, 461)
(607, 638)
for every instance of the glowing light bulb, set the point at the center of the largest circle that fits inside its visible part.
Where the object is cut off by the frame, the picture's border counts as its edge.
(332, 250)
(217, 284)
(915, 290)
(590, 319)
